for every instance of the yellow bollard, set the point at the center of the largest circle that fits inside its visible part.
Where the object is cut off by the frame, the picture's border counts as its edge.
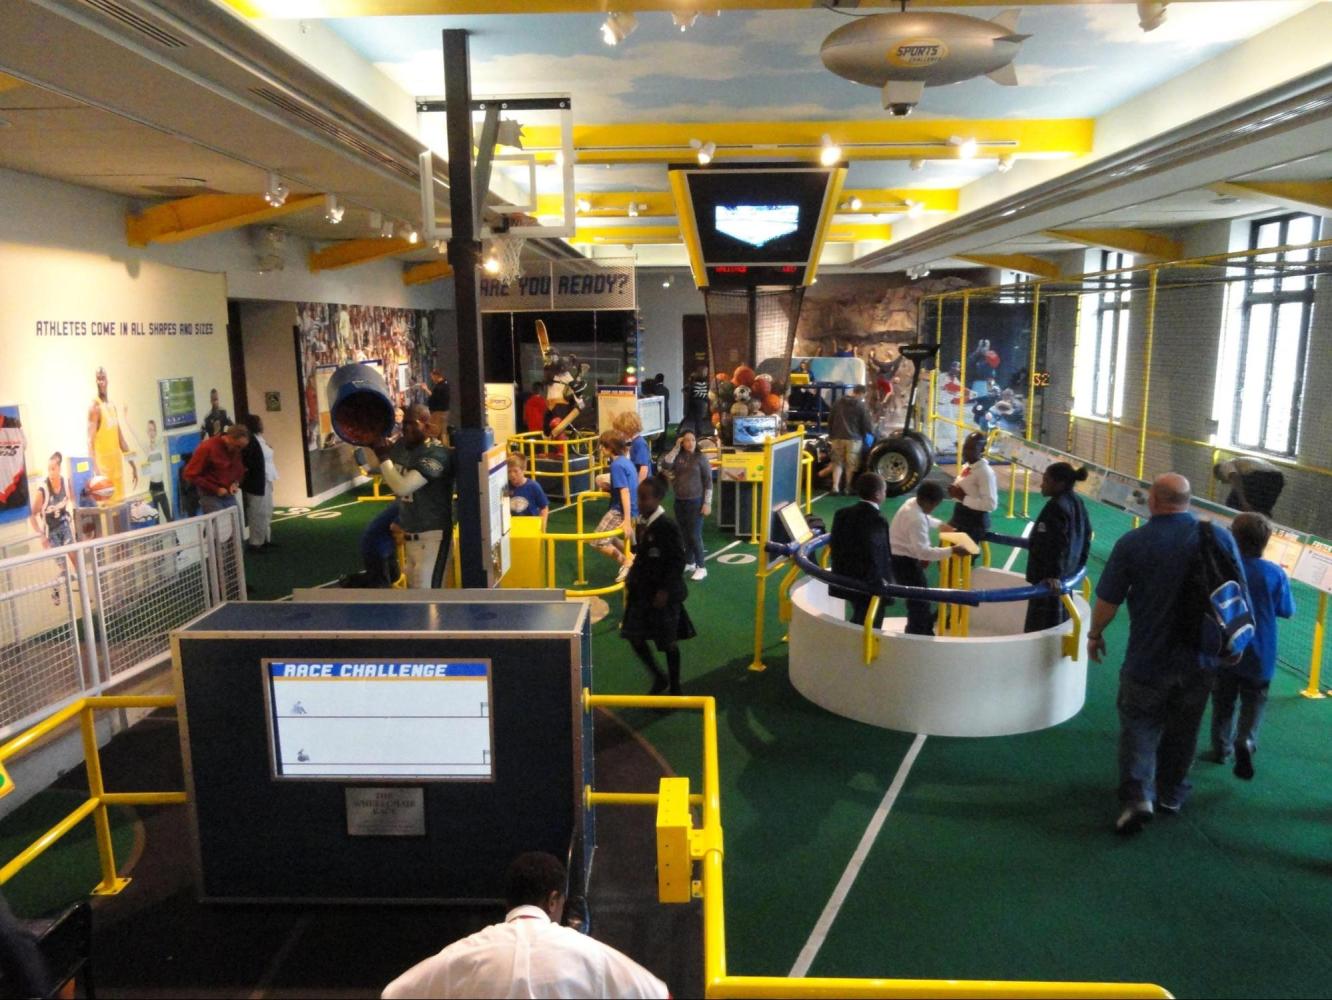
(1316, 656)
(871, 643)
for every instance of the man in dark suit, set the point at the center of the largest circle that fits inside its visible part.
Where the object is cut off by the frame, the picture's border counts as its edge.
(860, 548)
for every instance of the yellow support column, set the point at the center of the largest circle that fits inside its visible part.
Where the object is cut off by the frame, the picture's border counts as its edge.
(1148, 343)
(962, 373)
(111, 883)
(1316, 656)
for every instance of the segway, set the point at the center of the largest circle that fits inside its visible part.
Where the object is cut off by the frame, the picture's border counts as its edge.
(905, 458)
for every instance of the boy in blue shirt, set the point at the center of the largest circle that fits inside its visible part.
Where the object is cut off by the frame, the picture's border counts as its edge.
(1249, 679)
(623, 489)
(526, 497)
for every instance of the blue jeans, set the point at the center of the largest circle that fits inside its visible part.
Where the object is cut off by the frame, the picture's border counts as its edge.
(1158, 734)
(1252, 696)
(211, 503)
(689, 516)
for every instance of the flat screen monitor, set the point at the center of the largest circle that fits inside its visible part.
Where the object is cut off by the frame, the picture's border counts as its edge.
(177, 402)
(380, 719)
(753, 430)
(757, 225)
(794, 523)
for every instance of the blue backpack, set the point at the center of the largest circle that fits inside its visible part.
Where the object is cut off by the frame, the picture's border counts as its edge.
(1213, 616)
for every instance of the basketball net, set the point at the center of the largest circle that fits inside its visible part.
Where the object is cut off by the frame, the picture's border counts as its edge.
(506, 252)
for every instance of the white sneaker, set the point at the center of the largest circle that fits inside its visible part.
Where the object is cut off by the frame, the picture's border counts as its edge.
(699, 574)
(624, 572)
(690, 567)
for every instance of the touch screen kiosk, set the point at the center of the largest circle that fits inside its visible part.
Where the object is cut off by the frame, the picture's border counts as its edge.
(401, 752)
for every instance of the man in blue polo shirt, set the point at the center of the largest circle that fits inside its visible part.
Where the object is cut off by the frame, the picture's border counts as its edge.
(1163, 690)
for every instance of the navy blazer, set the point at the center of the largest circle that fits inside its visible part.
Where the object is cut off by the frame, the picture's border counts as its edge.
(860, 547)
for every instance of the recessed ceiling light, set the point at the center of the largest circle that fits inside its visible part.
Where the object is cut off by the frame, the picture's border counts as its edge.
(829, 152)
(966, 148)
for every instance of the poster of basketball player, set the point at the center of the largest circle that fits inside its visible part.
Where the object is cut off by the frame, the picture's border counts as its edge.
(108, 441)
(13, 474)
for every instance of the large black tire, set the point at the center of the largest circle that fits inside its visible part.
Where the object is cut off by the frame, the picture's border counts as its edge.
(902, 461)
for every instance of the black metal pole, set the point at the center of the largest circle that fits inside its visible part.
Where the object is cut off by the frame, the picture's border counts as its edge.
(464, 254)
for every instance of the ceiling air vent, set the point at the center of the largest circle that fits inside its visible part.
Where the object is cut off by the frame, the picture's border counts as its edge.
(335, 131)
(136, 23)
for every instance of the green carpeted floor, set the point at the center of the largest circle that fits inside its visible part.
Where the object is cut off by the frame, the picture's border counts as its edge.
(996, 860)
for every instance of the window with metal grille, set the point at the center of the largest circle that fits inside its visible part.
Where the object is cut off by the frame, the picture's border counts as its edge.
(1267, 387)
(1107, 343)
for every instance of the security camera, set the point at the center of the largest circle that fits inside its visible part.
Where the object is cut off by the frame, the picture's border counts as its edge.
(901, 96)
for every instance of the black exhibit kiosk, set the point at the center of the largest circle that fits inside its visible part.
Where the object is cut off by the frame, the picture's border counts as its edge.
(348, 752)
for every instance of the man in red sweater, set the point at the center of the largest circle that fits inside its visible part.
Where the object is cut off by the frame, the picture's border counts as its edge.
(216, 469)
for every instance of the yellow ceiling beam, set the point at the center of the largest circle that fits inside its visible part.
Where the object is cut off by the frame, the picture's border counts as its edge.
(431, 270)
(204, 214)
(1020, 262)
(400, 8)
(351, 252)
(10, 83)
(627, 235)
(896, 199)
(613, 204)
(1303, 196)
(872, 139)
(858, 232)
(1138, 242)
(684, 211)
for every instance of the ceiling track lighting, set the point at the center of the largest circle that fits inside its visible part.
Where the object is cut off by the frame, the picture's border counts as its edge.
(917, 163)
(386, 230)
(409, 234)
(636, 207)
(1005, 164)
(684, 19)
(1151, 14)
(966, 148)
(705, 150)
(618, 26)
(583, 205)
(914, 208)
(276, 192)
(829, 151)
(376, 220)
(333, 212)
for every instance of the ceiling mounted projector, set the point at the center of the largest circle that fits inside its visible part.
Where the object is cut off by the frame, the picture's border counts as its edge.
(905, 53)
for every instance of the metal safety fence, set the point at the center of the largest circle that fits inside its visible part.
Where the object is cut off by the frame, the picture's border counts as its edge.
(79, 618)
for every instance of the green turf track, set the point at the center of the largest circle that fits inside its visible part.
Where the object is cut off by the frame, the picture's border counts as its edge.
(997, 860)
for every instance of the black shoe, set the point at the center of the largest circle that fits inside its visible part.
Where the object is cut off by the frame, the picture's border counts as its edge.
(1169, 806)
(254, 550)
(1244, 759)
(676, 691)
(270, 545)
(1135, 816)
(659, 685)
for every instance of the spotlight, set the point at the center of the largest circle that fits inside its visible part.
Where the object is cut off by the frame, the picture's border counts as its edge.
(633, 210)
(855, 204)
(684, 19)
(583, 205)
(917, 163)
(617, 27)
(1004, 165)
(410, 234)
(914, 209)
(376, 220)
(668, 281)
(830, 152)
(491, 264)
(706, 150)
(1151, 14)
(386, 230)
(276, 192)
(333, 212)
(966, 148)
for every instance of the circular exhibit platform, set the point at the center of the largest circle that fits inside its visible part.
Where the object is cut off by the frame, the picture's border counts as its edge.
(995, 682)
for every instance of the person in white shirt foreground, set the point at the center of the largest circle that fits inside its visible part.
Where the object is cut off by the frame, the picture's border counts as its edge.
(909, 535)
(529, 954)
(974, 490)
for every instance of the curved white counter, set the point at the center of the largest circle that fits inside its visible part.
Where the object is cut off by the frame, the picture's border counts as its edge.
(995, 682)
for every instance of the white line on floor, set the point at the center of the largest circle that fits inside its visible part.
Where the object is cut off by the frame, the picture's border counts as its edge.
(1026, 533)
(312, 510)
(820, 932)
(714, 555)
(317, 586)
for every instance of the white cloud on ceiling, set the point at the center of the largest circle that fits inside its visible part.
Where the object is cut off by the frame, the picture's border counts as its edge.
(1037, 75)
(1190, 25)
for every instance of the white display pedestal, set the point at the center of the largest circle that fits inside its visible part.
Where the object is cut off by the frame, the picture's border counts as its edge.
(996, 682)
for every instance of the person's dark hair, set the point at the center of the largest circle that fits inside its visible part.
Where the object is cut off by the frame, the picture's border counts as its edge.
(930, 492)
(253, 424)
(1065, 475)
(613, 442)
(532, 877)
(659, 377)
(238, 431)
(1252, 532)
(655, 485)
(869, 485)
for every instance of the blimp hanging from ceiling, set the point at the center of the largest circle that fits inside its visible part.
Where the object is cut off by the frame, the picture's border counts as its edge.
(905, 53)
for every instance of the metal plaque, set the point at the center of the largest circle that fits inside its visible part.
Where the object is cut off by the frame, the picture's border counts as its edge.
(394, 811)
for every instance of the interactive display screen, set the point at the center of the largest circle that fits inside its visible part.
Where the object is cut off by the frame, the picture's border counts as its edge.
(177, 402)
(383, 719)
(757, 225)
(753, 430)
(793, 521)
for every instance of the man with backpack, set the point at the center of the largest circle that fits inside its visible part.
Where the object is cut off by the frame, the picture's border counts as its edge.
(1166, 678)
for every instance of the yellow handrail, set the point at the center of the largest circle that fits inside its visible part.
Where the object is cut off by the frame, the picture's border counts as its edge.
(98, 797)
(706, 847)
(531, 443)
(580, 536)
(870, 645)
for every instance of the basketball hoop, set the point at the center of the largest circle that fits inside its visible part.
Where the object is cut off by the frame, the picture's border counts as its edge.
(502, 258)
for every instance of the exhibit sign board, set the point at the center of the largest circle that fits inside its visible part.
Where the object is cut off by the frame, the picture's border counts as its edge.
(178, 409)
(381, 719)
(564, 285)
(385, 812)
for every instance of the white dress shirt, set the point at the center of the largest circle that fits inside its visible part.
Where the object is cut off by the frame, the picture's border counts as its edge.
(909, 534)
(270, 466)
(527, 956)
(977, 482)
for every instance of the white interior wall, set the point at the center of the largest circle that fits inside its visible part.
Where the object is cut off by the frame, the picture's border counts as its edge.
(661, 312)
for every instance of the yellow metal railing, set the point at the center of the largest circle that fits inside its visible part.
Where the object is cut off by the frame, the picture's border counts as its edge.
(704, 846)
(98, 797)
(579, 537)
(534, 445)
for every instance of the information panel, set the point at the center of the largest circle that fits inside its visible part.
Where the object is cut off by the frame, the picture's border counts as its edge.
(380, 719)
(177, 396)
